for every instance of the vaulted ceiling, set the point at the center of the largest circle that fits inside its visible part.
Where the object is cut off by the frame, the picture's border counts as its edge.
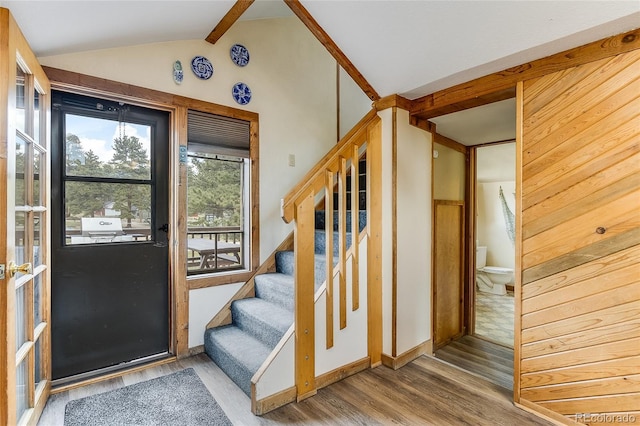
(411, 48)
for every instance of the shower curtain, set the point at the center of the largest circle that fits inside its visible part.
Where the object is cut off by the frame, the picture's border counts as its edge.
(509, 218)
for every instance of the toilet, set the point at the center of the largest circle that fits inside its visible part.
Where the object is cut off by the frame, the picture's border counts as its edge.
(491, 279)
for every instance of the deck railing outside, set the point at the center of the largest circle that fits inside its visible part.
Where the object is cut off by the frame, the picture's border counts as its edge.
(222, 251)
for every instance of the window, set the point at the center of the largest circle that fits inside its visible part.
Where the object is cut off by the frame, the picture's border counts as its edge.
(218, 194)
(107, 175)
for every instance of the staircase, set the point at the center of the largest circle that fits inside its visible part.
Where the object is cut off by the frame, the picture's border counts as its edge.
(258, 323)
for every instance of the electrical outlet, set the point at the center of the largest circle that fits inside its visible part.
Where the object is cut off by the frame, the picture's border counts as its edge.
(292, 160)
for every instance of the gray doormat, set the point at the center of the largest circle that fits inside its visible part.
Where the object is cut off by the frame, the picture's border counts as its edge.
(176, 399)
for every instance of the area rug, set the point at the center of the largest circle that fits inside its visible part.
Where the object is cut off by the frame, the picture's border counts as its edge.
(176, 399)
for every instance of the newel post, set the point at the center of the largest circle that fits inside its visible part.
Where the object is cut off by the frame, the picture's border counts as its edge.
(304, 296)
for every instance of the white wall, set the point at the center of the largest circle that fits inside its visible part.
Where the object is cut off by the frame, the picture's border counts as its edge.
(354, 103)
(293, 81)
(413, 192)
(491, 230)
(203, 304)
(495, 168)
(413, 234)
(448, 174)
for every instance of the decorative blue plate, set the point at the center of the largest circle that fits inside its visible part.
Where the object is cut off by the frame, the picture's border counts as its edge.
(241, 93)
(239, 55)
(201, 67)
(178, 74)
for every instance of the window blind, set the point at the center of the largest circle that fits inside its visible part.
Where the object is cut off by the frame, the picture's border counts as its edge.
(216, 134)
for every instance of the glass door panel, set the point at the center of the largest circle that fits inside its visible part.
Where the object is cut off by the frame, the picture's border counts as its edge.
(22, 390)
(24, 190)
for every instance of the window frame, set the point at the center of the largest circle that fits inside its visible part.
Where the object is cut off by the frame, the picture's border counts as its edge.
(243, 229)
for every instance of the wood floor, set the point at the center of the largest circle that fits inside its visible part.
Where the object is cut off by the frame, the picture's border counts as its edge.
(489, 360)
(424, 392)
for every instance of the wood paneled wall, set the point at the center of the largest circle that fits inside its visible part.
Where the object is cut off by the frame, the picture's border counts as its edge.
(580, 310)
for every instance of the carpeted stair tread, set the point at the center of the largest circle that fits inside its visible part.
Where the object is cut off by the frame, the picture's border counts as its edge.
(320, 242)
(276, 288)
(285, 263)
(264, 320)
(236, 352)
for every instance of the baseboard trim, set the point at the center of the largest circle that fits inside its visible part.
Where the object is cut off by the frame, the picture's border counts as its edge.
(277, 400)
(196, 350)
(545, 413)
(270, 403)
(342, 373)
(408, 356)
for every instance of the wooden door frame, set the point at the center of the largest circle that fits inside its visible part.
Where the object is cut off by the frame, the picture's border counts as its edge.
(14, 49)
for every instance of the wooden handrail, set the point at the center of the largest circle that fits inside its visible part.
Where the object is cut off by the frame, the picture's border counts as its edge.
(315, 178)
(299, 206)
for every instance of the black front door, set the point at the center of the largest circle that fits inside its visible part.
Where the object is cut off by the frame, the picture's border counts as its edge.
(109, 287)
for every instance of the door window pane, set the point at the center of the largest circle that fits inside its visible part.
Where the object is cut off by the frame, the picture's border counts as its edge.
(38, 172)
(20, 100)
(39, 371)
(97, 147)
(21, 158)
(21, 312)
(20, 238)
(37, 234)
(36, 116)
(107, 212)
(22, 391)
(37, 300)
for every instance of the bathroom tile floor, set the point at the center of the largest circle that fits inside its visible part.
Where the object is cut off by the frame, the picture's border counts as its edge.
(494, 317)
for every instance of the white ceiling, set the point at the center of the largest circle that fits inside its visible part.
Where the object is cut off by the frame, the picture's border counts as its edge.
(411, 48)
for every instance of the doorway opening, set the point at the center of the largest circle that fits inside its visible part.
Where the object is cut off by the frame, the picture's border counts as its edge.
(494, 238)
(482, 339)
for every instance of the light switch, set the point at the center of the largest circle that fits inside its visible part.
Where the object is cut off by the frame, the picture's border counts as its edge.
(292, 160)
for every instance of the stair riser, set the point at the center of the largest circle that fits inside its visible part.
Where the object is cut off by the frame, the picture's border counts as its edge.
(278, 294)
(320, 242)
(285, 264)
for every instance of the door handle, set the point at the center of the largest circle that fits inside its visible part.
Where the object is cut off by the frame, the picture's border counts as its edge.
(25, 268)
(164, 228)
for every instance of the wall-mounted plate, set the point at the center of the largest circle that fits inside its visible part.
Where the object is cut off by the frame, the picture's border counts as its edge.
(201, 67)
(178, 74)
(241, 93)
(239, 55)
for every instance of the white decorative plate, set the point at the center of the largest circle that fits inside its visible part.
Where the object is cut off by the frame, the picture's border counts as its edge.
(239, 55)
(241, 93)
(201, 67)
(178, 74)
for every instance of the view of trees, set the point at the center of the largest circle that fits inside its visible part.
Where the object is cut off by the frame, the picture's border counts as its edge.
(214, 184)
(129, 161)
(214, 192)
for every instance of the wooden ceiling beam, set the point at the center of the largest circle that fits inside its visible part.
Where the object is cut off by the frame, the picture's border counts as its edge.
(501, 85)
(313, 26)
(228, 20)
